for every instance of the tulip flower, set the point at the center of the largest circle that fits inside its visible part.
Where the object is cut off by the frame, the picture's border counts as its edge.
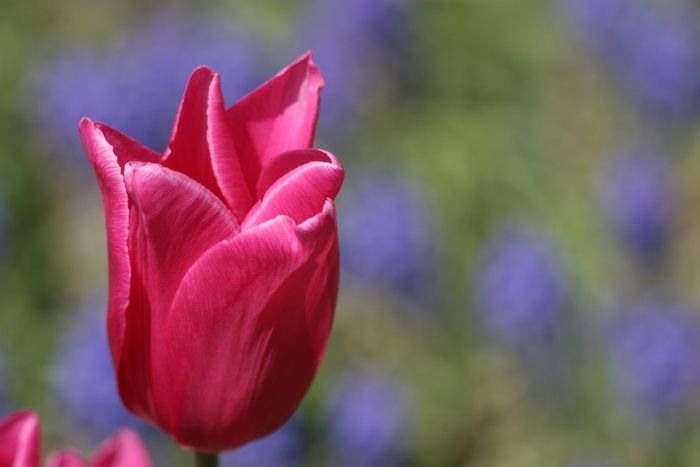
(20, 440)
(223, 259)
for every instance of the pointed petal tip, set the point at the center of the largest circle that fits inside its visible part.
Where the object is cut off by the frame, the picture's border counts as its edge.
(314, 69)
(85, 122)
(202, 70)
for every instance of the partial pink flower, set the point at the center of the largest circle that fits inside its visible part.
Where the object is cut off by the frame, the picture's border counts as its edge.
(20, 440)
(125, 449)
(223, 259)
(20, 446)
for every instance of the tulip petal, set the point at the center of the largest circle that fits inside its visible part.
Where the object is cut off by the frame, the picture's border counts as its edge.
(66, 458)
(284, 163)
(262, 331)
(127, 149)
(278, 116)
(174, 220)
(125, 449)
(109, 177)
(20, 440)
(188, 151)
(223, 154)
(301, 192)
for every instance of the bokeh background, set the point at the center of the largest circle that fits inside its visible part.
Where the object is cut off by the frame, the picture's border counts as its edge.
(520, 222)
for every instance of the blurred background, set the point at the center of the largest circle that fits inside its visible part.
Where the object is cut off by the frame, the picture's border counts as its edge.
(520, 222)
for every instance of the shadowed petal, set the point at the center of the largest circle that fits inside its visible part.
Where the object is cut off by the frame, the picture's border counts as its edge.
(262, 331)
(188, 151)
(223, 154)
(278, 116)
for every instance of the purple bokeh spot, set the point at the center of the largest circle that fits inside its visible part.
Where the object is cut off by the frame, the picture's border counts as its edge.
(369, 420)
(387, 235)
(136, 86)
(283, 448)
(656, 349)
(638, 198)
(520, 286)
(83, 381)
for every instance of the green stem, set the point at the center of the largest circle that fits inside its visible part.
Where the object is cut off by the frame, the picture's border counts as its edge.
(204, 459)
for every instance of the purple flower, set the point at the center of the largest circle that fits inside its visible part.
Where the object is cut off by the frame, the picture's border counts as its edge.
(354, 42)
(82, 379)
(369, 420)
(656, 350)
(136, 87)
(520, 286)
(638, 197)
(283, 448)
(387, 235)
(655, 53)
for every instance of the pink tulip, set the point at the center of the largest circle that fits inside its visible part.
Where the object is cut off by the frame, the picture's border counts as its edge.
(125, 449)
(20, 440)
(223, 259)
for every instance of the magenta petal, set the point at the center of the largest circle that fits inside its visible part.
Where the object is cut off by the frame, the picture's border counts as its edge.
(20, 440)
(300, 193)
(127, 149)
(125, 449)
(223, 154)
(66, 458)
(188, 151)
(261, 331)
(174, 220)
(284, 163)
(278, 116)
(111, 182)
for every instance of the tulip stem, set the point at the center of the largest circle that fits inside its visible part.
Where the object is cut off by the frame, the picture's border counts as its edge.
(204, 459)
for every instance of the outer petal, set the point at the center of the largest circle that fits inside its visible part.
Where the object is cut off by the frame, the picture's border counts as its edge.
(125, 449)
(278, 116)
(20, 440)
(109, 177)
(262, 331)
(188, 151)
(173, 222)
(301, 192)
(127, 149)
